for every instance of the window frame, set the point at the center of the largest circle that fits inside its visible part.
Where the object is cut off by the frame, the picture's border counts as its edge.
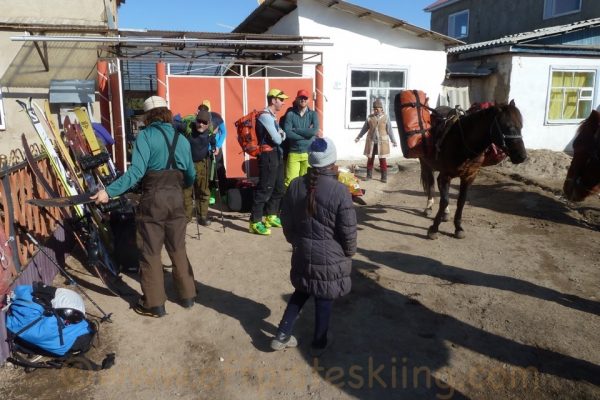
(592, 97)
(453, 16)
(359, 124)
(549, 5)
(2, 115)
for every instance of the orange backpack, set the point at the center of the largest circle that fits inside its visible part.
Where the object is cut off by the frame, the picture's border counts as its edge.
(247, 138)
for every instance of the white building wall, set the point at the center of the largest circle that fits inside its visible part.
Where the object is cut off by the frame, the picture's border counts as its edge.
(361, 43)
(529, 83)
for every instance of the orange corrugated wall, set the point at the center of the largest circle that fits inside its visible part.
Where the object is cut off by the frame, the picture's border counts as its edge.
(187, 92)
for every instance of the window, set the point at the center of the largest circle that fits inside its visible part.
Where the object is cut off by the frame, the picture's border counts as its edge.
(556, 8)
(458, 24)
(367, 85)
(2, 121)
(571, 95)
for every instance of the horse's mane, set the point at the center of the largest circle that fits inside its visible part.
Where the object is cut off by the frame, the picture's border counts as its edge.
(510, 110)
(587, 128)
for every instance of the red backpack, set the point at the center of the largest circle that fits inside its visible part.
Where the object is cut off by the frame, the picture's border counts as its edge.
(247, 138)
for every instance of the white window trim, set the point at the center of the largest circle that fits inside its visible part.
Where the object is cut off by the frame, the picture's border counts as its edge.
(594, 88)
(468, 21)
(359, 124)
(548, 4)
(2, 115)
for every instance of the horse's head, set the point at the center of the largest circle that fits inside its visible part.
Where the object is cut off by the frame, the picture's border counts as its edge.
(583, 177)
(506, 131)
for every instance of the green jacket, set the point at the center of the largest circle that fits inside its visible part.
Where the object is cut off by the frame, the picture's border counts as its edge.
(150, 153)
(300, 130)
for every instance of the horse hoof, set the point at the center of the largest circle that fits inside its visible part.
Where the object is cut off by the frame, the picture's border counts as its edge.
(459, 234)
(432, 235)
(446, 217)
(428, 212)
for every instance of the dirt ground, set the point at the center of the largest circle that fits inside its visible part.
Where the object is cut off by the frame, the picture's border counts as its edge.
(511, 311)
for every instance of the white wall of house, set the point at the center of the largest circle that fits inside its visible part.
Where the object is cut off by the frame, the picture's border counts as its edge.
(529, 83)
(361, 43)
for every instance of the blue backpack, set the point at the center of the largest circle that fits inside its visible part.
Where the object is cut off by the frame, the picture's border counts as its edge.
(35, 328)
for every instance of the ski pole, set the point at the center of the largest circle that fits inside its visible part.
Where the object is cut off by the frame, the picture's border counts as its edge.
(215, 176)
(105, 316)
(195, 205)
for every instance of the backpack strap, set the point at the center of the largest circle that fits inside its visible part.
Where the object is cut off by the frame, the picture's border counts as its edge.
(171, 146)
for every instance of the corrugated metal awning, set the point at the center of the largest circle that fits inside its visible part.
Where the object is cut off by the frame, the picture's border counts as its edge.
(72, 91)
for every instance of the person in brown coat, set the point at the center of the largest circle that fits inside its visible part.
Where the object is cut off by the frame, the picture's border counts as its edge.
(379, 133)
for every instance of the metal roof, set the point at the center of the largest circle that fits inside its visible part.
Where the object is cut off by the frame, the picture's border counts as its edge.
(527, 37)
(439, 4)
(270, 11)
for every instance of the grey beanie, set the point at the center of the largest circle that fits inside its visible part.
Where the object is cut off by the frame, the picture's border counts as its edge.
(322, 153)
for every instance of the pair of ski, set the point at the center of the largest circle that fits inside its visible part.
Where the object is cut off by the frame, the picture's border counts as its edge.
(92, 235)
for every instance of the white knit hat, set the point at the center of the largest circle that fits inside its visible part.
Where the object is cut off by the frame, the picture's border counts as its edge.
(154, 102)
(322, 153)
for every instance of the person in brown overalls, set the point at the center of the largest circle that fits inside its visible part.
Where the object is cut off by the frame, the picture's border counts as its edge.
(379, 130)
(162, 160)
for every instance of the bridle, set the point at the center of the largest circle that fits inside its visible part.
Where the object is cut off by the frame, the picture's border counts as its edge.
(501, 136)
(496, 133)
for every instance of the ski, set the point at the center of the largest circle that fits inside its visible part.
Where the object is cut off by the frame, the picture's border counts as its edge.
(11, 240)
(83, 198)
(36, 169)
(97, 151)
(57, 164)
(60, 144)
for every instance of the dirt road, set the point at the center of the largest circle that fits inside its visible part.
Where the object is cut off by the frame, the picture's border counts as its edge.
(512, 311)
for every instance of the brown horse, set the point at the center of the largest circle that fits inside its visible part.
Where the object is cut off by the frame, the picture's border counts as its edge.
(583, 177)
(461, 154)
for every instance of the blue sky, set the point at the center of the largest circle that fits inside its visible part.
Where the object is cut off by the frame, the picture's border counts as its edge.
(224, 15)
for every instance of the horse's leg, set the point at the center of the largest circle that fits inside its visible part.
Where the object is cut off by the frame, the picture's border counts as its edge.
(444, 188)
(459, 232)
(427, 182)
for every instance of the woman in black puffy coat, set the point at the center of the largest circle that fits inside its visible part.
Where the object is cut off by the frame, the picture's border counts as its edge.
(319, 222)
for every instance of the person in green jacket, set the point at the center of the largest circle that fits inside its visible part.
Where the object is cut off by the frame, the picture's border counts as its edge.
(162, 160)
(300, 126)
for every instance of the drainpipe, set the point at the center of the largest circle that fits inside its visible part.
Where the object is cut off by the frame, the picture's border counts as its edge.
(102, 68)
(319, 101)
(161, 79)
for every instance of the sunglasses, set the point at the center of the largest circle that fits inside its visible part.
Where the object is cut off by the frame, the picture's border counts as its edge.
(202, 122)
(303, 98)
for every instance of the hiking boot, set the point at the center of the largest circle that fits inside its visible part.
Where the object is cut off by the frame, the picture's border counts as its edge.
(369, 174)
(384, 176)
(282, 341)
(272, 221)
(204, 221)
(156, 312)
(187, 303)
(317, 351)
(259, 228)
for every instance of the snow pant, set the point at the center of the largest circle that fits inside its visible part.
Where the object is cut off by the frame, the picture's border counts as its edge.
(296, 165)
(199, 190)
(322, 316)
(161, 220)
(270, 189)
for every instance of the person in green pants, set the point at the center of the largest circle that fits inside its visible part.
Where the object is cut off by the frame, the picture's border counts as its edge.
(300, 126)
